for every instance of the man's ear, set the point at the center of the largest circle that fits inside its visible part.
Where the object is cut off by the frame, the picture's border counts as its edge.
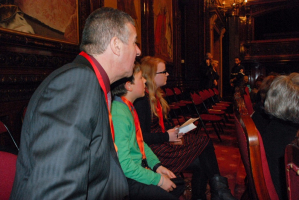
(115, 45)
(128, 86)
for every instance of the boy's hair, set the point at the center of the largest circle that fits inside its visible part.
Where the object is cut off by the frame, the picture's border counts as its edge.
(118, 88)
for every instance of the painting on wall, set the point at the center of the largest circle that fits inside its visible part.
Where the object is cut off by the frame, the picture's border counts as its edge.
(110, 3)
(53, 20)
(163, 29)
(133, 8)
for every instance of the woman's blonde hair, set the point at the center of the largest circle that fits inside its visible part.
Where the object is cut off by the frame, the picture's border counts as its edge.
(214, 62)
(149, 68)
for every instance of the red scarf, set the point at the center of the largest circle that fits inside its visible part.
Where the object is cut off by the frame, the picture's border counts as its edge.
(160, 115)
(139, 136)
(101, 82)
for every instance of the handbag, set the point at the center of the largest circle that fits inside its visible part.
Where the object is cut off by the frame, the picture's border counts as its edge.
(178, 181)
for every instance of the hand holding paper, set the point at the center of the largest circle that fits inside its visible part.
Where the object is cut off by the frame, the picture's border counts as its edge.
(173, 134)
(188, 126)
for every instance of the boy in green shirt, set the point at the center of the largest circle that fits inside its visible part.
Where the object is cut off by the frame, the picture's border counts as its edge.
(147, 178)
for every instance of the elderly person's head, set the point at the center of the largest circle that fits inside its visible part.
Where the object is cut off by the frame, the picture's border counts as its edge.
(283, 98)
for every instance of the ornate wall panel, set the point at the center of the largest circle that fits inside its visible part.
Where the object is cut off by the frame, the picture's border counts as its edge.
(25, 61)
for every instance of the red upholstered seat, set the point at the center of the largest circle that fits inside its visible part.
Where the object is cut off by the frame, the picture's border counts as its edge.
(7, 173)
(218, 96)
(206, 117)
(260, 185)
(244, 151)
(4, 129)
(292, 169)
(267, 175)
(180, 96)
(248, 104)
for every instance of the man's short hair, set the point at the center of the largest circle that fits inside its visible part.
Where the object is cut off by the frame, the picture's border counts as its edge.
(283, 98)
(101, 26)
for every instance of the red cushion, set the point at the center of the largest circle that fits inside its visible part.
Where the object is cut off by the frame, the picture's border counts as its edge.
(7, 173)
(222, 104)
(248, 104)
(208, 117)
(267, 175)
(186, 102)
(216, 112)
(219, 107)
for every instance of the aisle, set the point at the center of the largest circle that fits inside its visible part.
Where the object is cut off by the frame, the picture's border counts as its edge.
(229, 161)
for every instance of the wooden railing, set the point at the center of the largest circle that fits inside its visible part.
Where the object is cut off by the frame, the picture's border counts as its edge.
(254, 152)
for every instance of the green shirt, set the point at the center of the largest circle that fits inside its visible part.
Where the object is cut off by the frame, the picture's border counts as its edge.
(129, 154)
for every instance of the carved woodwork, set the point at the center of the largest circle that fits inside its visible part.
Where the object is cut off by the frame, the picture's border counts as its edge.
(26, 60)
(254, 151)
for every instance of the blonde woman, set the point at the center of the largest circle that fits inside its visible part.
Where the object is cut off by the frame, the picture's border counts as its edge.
(196, 154)
(215, 75)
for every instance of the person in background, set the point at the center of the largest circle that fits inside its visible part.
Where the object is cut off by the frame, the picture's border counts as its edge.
(246, 83)
(255, 89)
(147, 178)
(281, 105)
(67, 146)
(237, 75)
(215, 75)
(206, 72)
(197, 152)
(259, 116)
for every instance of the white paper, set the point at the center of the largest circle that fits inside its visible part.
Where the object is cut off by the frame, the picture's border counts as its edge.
(188, 126)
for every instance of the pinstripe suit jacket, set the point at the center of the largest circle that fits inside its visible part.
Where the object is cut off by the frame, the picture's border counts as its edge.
(66, 149)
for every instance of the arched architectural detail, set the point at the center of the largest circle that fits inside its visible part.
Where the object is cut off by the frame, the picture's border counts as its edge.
(212, 27)
(223, 30)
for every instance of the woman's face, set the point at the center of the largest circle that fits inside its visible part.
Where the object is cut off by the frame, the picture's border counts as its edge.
(161, 75)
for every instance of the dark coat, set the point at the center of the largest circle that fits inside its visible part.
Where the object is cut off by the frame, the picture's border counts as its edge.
(66, 149)
(276, 135)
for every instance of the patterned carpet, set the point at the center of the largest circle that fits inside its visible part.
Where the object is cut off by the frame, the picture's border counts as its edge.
(229, 161)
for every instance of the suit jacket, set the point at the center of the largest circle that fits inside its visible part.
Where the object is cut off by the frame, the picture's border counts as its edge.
(66, 148)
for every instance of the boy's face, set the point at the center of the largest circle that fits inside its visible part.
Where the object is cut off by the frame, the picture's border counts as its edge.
(138, 87)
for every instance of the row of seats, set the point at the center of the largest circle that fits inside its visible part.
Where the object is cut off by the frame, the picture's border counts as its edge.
(7, 166)
(259, 181)
(8, 159)
(205, 105)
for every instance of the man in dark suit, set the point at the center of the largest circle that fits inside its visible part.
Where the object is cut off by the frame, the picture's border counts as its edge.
(67, 141)
(237, 75)
(206, 72)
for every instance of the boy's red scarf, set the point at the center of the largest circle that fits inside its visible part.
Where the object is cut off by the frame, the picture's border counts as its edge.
(139, 136)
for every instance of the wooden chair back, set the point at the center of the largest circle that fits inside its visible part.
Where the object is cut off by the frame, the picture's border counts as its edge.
(292, 168)
(248, 104)
(7, 173)
(263, 185)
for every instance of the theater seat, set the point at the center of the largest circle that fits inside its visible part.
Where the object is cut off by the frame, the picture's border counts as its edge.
(7, 173)
(292, 169)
